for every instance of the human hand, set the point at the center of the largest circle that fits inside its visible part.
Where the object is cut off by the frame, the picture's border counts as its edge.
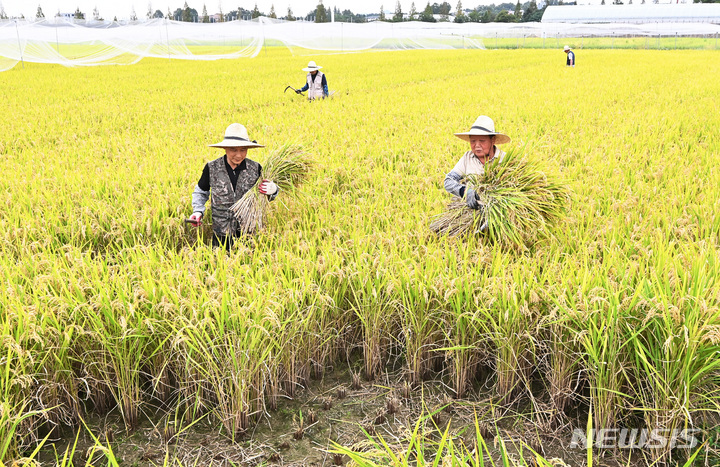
(471, 199)
(196, 219)
(297, 91)
(268, 188)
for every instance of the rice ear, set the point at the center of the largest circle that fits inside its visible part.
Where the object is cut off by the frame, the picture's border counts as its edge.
(520, 204)
(288, 166)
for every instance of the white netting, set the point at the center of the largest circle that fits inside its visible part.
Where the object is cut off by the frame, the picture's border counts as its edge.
(83, 43)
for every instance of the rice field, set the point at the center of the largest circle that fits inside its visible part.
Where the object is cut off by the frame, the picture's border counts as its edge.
(112, 304)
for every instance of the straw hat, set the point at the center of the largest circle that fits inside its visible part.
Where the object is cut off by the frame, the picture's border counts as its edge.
(236, 137)
(484, 126)
(312, 66)
(566, 48)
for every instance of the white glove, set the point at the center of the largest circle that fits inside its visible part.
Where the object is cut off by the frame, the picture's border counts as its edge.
(268, 188)
(196, 219)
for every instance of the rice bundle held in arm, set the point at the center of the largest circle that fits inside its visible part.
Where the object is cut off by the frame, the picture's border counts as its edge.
(519, 204)
(288, 166)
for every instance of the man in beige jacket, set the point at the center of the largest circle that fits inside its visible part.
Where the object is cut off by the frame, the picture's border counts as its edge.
(483, 139)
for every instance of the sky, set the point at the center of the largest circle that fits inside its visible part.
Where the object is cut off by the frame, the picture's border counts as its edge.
(122, 8)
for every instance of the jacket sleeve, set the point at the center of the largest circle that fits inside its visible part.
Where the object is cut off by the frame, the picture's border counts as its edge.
(304, 88)
(199, 198)
(453, 185)
(325, 91)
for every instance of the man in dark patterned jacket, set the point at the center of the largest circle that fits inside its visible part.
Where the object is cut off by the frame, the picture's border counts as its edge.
(228, 178)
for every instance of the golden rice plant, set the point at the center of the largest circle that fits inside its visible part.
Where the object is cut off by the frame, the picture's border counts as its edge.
(288, 166)
(519, 203)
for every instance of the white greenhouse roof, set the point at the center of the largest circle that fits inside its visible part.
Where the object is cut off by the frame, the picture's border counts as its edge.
(647, 13)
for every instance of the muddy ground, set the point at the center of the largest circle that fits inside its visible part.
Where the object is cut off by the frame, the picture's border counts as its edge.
(332, 408)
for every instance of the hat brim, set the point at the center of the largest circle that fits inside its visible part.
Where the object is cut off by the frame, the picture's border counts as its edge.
(500, 138)
(227, 143)
(311, 69)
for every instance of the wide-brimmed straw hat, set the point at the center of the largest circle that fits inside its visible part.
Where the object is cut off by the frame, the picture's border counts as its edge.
(484, 126)
(566, 48)
(236, 137)
(312, 66)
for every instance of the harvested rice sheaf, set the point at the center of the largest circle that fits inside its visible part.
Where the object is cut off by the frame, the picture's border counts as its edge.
(288, 166)
(520, 203)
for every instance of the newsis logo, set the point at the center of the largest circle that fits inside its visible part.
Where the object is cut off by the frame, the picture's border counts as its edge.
(635, 438)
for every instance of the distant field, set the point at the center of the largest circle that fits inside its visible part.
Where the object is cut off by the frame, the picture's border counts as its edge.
(113, 305)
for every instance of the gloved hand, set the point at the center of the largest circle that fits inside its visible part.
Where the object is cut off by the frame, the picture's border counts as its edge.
(471, 199)
(268, 188)
(298, 91)
(197, 219)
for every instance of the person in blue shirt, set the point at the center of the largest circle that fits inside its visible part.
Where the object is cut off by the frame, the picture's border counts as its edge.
(316, 84)
(570, 56)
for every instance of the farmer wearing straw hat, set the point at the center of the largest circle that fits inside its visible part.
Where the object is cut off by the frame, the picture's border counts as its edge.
(483, 139)
(316, 84)
(570, 56)
(228, 178)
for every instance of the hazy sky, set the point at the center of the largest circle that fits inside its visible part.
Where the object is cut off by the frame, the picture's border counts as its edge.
(122, 8)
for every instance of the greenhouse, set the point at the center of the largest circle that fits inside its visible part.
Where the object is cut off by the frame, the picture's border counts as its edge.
(638, 14)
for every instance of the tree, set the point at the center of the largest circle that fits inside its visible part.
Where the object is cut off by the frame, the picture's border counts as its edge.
(290, 16)
(3, 15)
(427, 15)
(272, 11)
(158, 14)
(504, 17)
(186, 17)
(444, 11)
(39, 13)
(96, 14)
(487, 17)
(460, 14)
(133, 15)
(602, 2)
(115, 19)
(79, 14)
(149, 13)
(205, 16)
(398, 16)
(321, 13)
(256, 12)
(529, 11)
(413, 12)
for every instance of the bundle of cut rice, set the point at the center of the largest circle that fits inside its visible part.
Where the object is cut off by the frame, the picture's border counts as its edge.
(519, 204)
(288, 166)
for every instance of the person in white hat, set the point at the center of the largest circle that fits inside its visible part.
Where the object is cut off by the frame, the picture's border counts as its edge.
(570, 56)
(316, 84)
(483, 139)
(228, 178)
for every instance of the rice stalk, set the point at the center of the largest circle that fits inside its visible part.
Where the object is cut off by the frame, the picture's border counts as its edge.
(519, 203)
(288, 166)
